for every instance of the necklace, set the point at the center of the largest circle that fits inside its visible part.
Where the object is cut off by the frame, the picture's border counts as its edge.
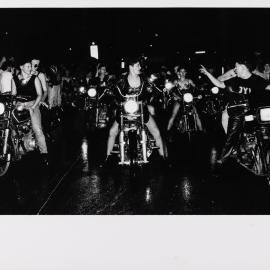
(24, 80)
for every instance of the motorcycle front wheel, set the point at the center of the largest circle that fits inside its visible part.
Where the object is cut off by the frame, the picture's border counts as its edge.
(5, 164)
(255, 161)
(132, 139)
(5, 160)
(259, 166)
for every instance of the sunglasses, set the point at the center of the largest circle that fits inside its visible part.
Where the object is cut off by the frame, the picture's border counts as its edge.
(36, 65)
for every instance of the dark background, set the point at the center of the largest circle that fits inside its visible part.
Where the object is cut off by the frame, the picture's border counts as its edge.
(50, 32)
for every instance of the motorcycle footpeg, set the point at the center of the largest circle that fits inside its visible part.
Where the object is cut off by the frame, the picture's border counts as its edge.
(142, 162)
(115, 152)
(124, 163)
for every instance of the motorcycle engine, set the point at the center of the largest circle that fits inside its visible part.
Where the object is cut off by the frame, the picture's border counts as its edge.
(21, 116)
(29, 142)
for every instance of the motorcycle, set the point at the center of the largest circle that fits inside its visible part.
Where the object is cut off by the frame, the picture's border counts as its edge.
(16, 134)
(188, 120)
(80, 98)
(94, 102)
(135, 142)
(253, 150)
(97, 107)
(212, 102)
(162, 94)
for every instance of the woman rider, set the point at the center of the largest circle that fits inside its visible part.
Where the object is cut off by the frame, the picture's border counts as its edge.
(133, 83)
(28, 84)
(182, 83)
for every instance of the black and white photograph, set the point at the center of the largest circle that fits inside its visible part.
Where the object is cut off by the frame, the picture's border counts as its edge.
(112, 111)
(122, 112)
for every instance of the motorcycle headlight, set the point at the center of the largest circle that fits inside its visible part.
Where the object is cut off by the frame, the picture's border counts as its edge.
(20, 107)
(264, 114)
(92, 92)
(131, 106)
(169, 85)
(249, 118)
(152, 78)
(188, 97)
(215, 90)
(2, 108)
(82, 90)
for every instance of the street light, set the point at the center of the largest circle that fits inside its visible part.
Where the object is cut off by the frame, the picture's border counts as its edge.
(94, 50)
(122, 63)
(200, 52)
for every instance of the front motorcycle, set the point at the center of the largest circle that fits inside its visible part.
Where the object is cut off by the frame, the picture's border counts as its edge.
(16, 134)
(135, 142)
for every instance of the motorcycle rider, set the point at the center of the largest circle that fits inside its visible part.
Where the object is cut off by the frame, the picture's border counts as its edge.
(182, 83)
(134, 82)
(28, 84)
(252, 87)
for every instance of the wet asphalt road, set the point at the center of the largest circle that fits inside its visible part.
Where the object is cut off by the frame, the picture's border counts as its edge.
(74, 184)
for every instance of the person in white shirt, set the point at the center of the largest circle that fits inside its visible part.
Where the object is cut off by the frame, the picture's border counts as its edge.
(6, 79)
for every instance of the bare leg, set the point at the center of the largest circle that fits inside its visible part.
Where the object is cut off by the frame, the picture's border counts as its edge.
(225, 120)
(152, 127)
(176, 108)
(198, 120)
(151, 109)
(112, 136)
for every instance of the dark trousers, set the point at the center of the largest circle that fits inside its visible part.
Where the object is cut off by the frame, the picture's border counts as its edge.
(235, 127)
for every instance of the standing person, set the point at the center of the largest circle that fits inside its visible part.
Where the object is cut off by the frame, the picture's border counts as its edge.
(67, 87)
(265, 74)
(250, 86)
(101, 77)
(54, 89)
(7, 84)
(28, 84)
(36, 71)
(133, 82)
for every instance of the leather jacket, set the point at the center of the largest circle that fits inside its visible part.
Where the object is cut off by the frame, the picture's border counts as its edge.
(122, 88)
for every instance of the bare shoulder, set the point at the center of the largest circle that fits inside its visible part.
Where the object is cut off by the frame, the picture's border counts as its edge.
(37, 80)
(41, 75)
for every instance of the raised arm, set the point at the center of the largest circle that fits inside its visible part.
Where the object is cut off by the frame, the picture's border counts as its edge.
(13, 88)
(227, 75)
(214, 80)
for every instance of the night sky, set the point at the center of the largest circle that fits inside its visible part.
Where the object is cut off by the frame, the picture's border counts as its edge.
(122, 31)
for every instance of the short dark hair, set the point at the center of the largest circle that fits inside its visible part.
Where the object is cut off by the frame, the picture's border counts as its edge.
(35, 57)
(133, 60)
(24, 60)
(245, 60)
(7, 64)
